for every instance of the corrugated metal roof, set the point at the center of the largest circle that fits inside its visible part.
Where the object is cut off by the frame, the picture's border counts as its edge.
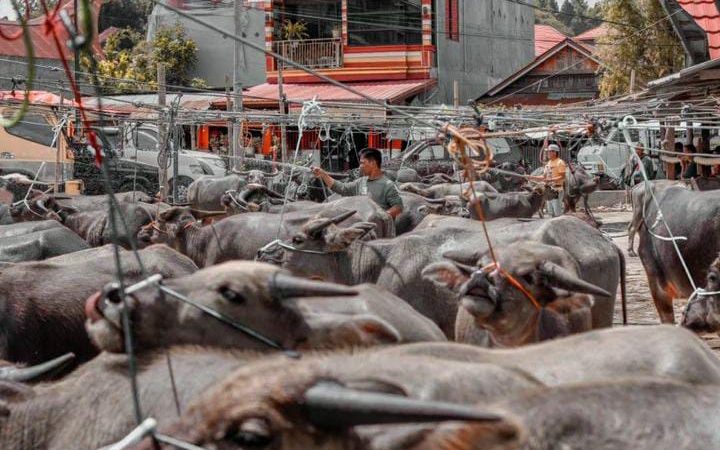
(390, 91)
(705, 13)
(35, 97)
(43, 44)
(546, 37)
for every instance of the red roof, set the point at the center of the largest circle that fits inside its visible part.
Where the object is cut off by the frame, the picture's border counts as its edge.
(390, 91)
(705, 13)
(36, 97)
(546, 37)
(592, 34)
(43, 43)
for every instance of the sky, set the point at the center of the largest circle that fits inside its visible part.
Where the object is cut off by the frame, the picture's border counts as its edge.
(6, 9)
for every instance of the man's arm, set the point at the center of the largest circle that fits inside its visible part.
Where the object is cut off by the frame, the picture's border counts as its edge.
(392, 195)
(344, 189)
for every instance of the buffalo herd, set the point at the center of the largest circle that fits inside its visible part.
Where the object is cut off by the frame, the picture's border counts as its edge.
(267, 313)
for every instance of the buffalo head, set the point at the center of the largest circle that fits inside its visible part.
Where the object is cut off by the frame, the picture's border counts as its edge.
(307, 251)
(310, 404)
(294, 312)
(533, 294)
(38, 206)
(702, 313)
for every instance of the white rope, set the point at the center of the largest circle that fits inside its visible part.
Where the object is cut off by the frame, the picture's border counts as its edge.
(651, 191)
(309, 107)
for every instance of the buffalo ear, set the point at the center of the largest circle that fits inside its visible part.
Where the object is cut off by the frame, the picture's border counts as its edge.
(446, 275)
(338, 239)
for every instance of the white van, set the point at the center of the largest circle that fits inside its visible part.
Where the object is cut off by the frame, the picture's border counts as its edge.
(140, 143)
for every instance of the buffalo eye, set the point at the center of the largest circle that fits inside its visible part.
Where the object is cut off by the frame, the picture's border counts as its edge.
(231, 295)
(712, 277)
(298, 240)
(252, 433)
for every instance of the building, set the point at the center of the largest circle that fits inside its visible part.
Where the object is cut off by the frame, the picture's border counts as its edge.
(697, 24)
(421, 47)
(565, 73)
(13, 54)
(215, 54)
(546, 37)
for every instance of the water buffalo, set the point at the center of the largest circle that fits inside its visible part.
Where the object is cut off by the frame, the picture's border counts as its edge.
(99, 397)
(640, 202)
(18, 229)
(660, 351)
(42, 303)
(690, 215)
(702, 313)
(325, 402)
(578, 184)
(36, 206)
(509, 204)
(39, 245)
(206, 193)
(294, 312)
(416, 207)
(631, 413)
(443, 190)
(333, 253)
(241, 236)
(551, 300)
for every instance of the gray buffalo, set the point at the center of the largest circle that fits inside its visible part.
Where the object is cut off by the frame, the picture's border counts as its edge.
(509, 204)
(445, 189)
(294, 312)
(702, 313)
(42, 303)
(242, 236)
(417, 207)
(640, 200)
(39, 245)
(326, 251)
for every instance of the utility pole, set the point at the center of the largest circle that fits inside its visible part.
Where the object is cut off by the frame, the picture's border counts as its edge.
(281, 104)
(231, 129)
(456, 94)
(162, 133)
(632, 81)
(238, 153)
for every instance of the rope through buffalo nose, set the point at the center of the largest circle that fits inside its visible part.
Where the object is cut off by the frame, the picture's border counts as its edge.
(156, 280)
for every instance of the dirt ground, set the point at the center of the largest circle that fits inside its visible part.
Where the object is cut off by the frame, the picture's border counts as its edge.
(641, 310)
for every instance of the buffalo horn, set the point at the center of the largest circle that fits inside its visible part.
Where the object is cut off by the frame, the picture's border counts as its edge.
(331, 405)
(241, 172)
(23, 374)
(322, 224)
(342, 217)
(287, 286)
(562, 278)
(199, 213)
(41, 204)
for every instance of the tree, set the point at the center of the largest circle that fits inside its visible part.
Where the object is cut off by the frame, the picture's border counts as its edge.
(645, 43)
(549, 18)
(129, 57)
(124, 14)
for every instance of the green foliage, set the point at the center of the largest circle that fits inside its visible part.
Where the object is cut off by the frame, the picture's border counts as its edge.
(36, 9)
(647, 45)
(125, 14)
(294, 31)
(548, 18)
(129, 56)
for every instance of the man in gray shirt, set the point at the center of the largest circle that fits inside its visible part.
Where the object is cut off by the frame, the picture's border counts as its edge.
(374, 183)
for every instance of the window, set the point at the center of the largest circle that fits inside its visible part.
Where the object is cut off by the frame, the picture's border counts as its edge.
(384, 22)
(33, 127)
(452, 19)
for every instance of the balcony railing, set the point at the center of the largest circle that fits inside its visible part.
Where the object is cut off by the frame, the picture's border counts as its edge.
(313, 53)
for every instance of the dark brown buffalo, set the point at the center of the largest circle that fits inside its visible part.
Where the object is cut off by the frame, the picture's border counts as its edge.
(509, 204)
(640, 199)
(690, 216)
(294, 312)
(397, 264)
(42, 303)
(18, 229)
(321, 402)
